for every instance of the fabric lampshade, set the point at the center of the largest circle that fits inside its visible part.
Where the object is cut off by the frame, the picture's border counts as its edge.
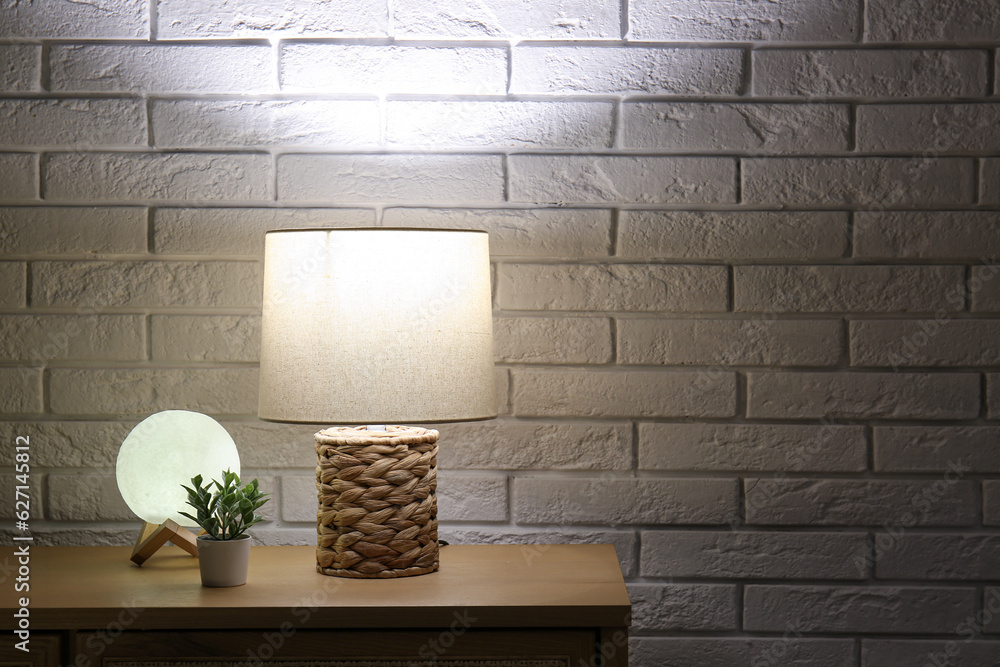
(376, 326)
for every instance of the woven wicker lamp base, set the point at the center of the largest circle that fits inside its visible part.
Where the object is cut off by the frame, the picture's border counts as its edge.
(377, 514)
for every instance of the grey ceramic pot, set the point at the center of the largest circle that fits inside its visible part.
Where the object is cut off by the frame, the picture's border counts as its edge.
(223, 562)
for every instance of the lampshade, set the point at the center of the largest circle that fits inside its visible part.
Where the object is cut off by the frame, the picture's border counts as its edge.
(376, 326)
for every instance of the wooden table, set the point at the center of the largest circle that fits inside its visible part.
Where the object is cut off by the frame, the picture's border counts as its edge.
(494, 605)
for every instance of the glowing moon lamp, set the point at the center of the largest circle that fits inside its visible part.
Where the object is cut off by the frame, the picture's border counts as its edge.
(162, 452)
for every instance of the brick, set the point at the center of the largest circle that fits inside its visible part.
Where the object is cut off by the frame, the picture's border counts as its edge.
(221, 123)
(732, 235)
(157, 68)
(740, 652)
(859, 289)
(842, 502)
(495, 19)
(926, 235)
(882, 182)
(86, 496)
(752, 447)
(795, 21)
(208, 19)
(13, 284)
(928, 127)
(991, 503)
(43, 338)
(18, 176)
(620, 287)
(628, 70)
(576, 393)
(269, 445)
(934, 342)
(902, 653)
(623, 501)
(939, 557)
(991, 603)
(552, 232)
(502, 444)
(65, 19)
(20, 390)
(729, 342)
(373, 178)
(753, 555)
(102, 284)
(299, 499)
(929, 21)
(55, 231)
(376, 69)
(984, 288)
(83, 122)
(870, 73)
(682, 607)
(472, 497)
(140, 391)
(863, 395)
(67, 444)
(240, 231)
(537, 542)
(955, 450)
(20, 70)
(273, 536)
(205, 337)
(513, 124)
(119, 535)
(989, 181)
(552, 340)
(772, 128)
(865, 609)
(216, 177)
(556, 179)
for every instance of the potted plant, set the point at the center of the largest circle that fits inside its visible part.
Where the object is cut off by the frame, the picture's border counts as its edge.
(224, 511)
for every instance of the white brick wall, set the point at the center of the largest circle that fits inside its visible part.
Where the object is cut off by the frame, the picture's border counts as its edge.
(746, 307)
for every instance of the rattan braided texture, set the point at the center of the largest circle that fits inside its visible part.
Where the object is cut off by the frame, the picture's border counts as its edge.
(377, 514)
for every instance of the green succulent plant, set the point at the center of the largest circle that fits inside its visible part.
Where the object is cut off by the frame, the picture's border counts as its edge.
(226, 512)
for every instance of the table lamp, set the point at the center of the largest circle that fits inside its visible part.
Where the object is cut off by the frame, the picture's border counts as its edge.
(162, 452)
(370, 327)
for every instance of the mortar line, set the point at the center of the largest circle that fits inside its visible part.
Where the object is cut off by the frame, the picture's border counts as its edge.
(635, 449)
(510, 68)
(153, 19)
(747, 87)
(28, 278)
(613, 231)
(852, 127)
(617, 121)
(148, 333)
(991, 72)
(851, 231)
(984, 402)
(863, 25)
(977, 188)
(150, 230)
(44, 68)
